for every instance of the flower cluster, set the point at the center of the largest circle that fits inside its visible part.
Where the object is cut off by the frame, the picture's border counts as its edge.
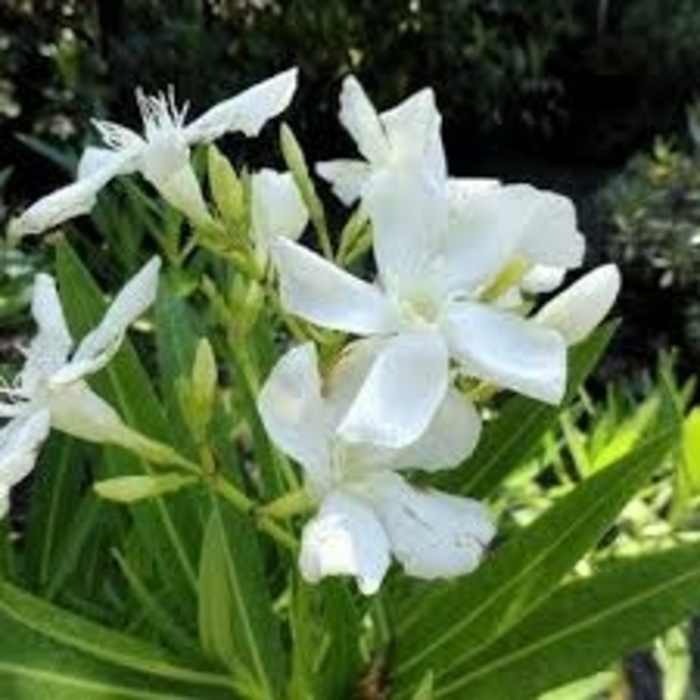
(450, 315)
(458, 263)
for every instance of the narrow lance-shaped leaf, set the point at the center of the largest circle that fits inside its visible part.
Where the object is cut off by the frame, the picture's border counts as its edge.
(73, 631)
(584, 627)
(458, 620)
(236, 622)
(34, 667)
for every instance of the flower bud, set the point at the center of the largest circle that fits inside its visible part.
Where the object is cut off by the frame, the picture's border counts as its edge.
(127, 489)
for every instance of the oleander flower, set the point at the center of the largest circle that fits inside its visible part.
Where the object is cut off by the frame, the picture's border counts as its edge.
(406, 136)
(51, 390)
(447, 292)
(161, 154)
(367, 510)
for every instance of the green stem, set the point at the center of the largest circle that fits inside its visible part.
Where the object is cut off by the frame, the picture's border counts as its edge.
(245, 505)
(290, 504)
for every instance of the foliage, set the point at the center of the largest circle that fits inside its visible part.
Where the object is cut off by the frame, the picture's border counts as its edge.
(652, 214)
(577, 79)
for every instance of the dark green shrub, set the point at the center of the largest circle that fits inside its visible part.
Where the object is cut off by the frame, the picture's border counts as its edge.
(652, 213)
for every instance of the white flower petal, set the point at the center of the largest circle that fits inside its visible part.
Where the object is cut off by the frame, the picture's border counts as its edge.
(483, 233)
(277, 208)
(509, 351)
(20, 441)
(96, 161)
(347, 178)
(100, 345)
(78, 411)
(4, 500)
(349, 373)
(49, 348)
(65, 203)
(408, 211)
(550, 235)
(359, 117)
(542, 278)
(402, 392)
(72, 200)
(448, 440)
(322, 293)
(432, 534)
(460, 190)
(345, 539)
(14, 408)
(413, 130)
(248, 111)
(577, 310)
(292, 410)
(52, 343)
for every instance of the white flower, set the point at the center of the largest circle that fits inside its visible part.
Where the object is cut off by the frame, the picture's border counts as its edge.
(445, 268)
(367, 510)
(276, 208)
(401, 137)
(51, 391)
(162, 154)
(407, 136)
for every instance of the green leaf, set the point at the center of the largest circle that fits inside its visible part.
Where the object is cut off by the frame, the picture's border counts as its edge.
(58, 488)
(176, 343)
(595, 686)
(75, 632)
(515, 434)
(158, 618)
(425, 690)
(690, 461)
(168, 529)
(326, 637)
(33, 667)
(236, 623)
(629, 433)
(583, 628)
(458, 619)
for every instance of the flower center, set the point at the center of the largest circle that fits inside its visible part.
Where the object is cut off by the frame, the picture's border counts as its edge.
(349, 463)
(420, 310)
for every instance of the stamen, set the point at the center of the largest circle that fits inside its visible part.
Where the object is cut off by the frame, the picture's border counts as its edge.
(160, 112)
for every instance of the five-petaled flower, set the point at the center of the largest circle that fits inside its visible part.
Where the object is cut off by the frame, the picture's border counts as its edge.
(161, 155)
(367, 510)
(51, 390)
(449, 270)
